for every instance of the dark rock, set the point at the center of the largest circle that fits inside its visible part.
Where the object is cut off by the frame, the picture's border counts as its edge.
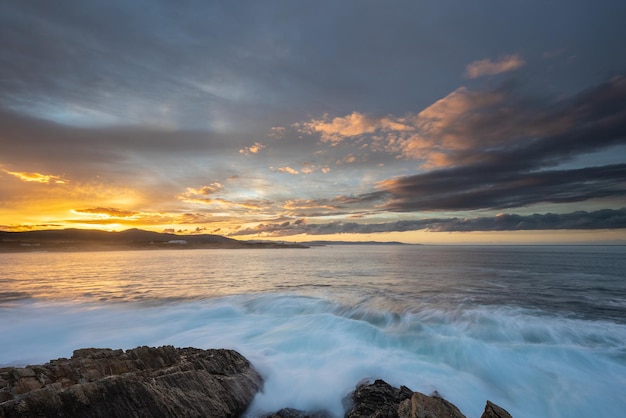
(381, 400)
(143, 382)
(296, 413)
(376, 400)
(423, 406)
(494, 411)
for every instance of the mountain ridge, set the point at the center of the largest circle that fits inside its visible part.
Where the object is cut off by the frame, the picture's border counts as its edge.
(94, 239)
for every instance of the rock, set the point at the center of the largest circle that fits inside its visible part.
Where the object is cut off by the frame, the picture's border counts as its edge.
(143, 382)
(494, 411)
(381, 400)
(296, 413)
(423, 406)
(376, 400)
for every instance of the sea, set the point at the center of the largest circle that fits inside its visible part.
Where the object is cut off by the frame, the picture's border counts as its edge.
(539, 330)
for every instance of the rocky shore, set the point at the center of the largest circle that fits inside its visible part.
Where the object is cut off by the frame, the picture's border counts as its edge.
(190, 382)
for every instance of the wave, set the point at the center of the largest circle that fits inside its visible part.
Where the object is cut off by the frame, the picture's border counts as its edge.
(312, 351)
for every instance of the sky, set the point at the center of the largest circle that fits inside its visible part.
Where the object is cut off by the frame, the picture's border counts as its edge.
(417, 121)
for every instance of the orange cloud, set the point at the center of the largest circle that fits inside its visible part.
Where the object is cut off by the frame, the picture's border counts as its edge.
(453, 124)
(460, 128)
(487, 67)
(309, 168)
(288, 170)
(36, 177)
(198, 194)
(351, 125)
(111, 212)
(252, 149)
(447, 125)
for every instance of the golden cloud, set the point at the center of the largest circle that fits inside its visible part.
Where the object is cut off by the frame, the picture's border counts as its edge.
(455, 129)
(36, 177)
(110, 212)
(252, 149)
(200, 195)
(354, 124)
(448, 125)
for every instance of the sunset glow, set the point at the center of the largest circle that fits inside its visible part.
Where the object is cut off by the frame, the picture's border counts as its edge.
(426, 130)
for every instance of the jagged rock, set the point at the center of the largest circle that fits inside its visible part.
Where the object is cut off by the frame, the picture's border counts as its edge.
(423, 406)
(143, 382)
(296, 413)
(494, 411)
(376, 400)
(381, 400)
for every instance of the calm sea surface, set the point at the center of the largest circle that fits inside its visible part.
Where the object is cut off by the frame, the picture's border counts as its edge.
(539, 330)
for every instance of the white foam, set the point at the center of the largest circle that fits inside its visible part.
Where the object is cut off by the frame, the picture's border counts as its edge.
(312, 352)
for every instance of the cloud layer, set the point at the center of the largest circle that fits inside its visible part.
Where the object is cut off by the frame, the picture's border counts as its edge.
(580, 220)
(488, 67)
(272, 119)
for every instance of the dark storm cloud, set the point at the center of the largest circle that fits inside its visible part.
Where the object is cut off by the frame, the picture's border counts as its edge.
(580, 220)
(513, 171)
(472, 188)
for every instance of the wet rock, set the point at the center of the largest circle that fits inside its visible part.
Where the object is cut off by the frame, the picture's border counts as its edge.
(494, 411)
(379, 400)
(143, 382)
(423, 406)
(296, 413)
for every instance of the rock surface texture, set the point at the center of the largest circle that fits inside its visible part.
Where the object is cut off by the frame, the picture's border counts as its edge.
(183, 382)
(494, 411)
(143, 382)
(296, 413)
(381, 400)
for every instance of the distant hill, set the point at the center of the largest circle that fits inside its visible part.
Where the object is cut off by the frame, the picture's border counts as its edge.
(93, 240)
(320, 243)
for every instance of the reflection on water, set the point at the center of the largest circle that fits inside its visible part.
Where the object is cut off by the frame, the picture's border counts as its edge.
(582, 281)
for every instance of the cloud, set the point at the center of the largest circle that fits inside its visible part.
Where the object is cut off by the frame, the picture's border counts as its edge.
(204, 198)
(252, 149)
(287, 170)
(308, 204)
(351, 125)
(201, 195)
(579, 220)
(83, 99)
(101, 216)
(36, 177)
(505, 170)
(461, 121)
(451, 131)
(495, 149)
(488, 67)
(480, 187)
(140, 157)
(277, 132)
(210, 189)
(110, 212)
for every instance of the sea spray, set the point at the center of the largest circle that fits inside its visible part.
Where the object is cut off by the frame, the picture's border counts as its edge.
(312, 351)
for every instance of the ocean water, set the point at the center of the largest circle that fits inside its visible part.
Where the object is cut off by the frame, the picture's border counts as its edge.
(540, 331)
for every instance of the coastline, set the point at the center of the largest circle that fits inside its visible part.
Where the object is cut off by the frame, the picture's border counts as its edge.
(168, 382)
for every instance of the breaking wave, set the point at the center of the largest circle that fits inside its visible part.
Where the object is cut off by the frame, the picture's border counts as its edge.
(312, 350)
